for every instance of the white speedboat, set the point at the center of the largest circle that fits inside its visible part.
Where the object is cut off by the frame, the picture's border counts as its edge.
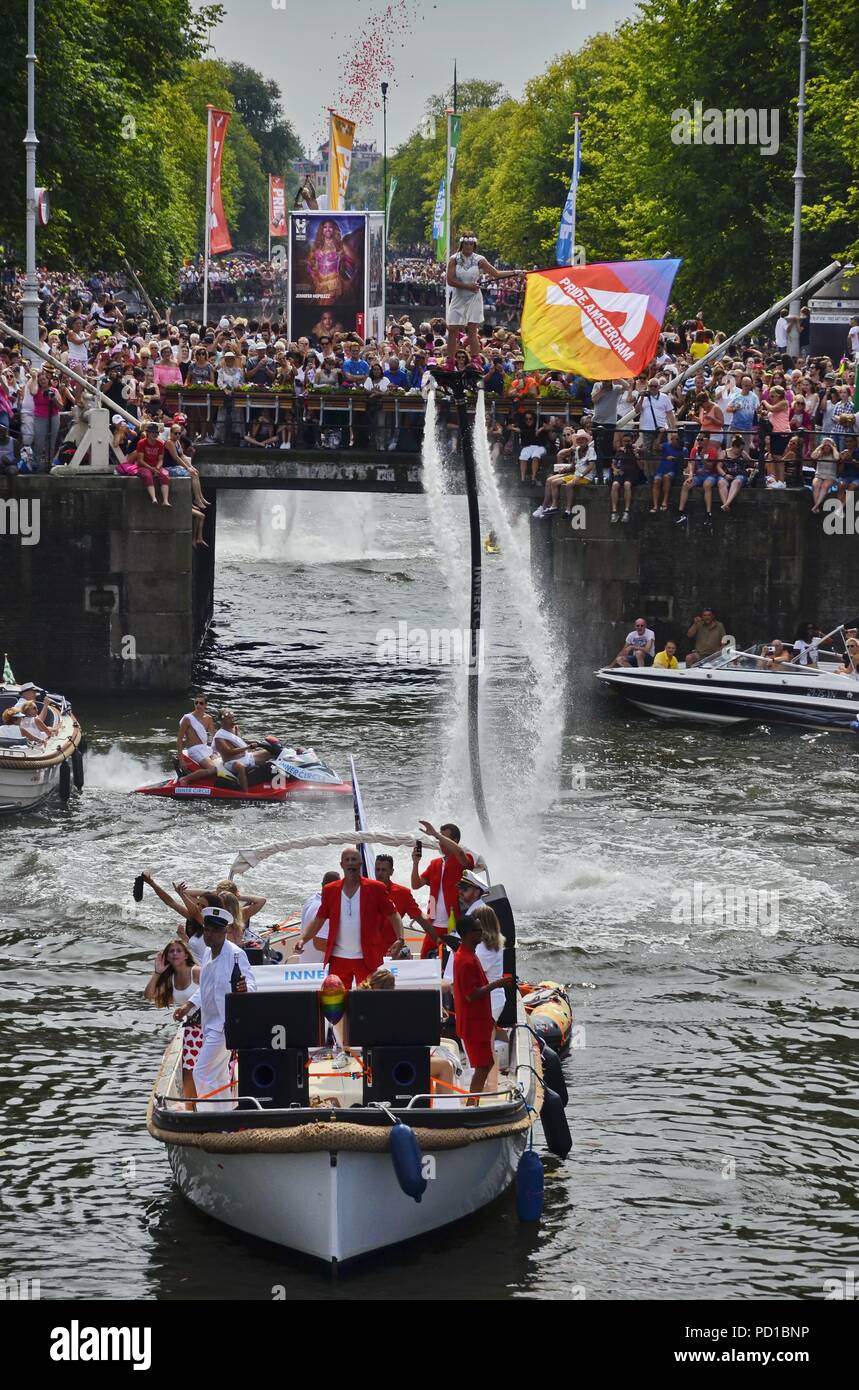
(30, 772)
(319, 1177)
(731, 687)
(310, 1156)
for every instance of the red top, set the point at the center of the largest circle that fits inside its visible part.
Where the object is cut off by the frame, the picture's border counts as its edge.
(473, 1020)
(405, 903)
(376, 908)
(152, 451)
(446, 872)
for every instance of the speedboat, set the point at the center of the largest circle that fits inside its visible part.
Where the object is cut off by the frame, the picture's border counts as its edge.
(731, 687)
(31, 772)
(288, 774)
(339, 1163)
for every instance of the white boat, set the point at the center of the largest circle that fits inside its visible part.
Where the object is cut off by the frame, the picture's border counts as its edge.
(321, 1180)
(732, 687)
(318, 1174)
(31, 772)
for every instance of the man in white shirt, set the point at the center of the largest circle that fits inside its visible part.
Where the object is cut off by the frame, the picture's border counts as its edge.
(781, 331)
(314, 951)
(237, 755)
(656, 412)
(639, 647)
(212, 1067)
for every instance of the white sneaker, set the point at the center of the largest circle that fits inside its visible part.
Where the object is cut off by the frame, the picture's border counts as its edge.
(342, 1062)
(539, 513)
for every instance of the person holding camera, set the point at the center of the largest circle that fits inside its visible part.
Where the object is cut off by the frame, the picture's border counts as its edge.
(47, 403)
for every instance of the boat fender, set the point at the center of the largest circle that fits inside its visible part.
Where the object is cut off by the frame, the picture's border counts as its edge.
(559, 1141)
(78, 769)
(547, 1030)
(408, 1161)
(65, 781)
(137, 890)
(529, 1186)
(552, 1071)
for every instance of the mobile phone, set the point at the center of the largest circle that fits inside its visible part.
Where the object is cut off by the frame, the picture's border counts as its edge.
(419, 847)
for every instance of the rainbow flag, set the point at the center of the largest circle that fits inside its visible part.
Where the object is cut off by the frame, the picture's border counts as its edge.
(602, 321)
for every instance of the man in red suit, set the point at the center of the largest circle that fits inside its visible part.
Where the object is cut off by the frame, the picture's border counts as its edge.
(404, 901)
(361, 919)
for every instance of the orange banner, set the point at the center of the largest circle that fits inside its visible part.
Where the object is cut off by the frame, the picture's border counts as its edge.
(341, 139)
(219, 232)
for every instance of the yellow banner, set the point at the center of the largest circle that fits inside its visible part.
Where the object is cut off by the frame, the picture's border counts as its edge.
(340, 143)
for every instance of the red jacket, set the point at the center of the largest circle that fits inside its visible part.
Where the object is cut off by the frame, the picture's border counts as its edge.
(444, 875)
(406, 904)
(376, 908)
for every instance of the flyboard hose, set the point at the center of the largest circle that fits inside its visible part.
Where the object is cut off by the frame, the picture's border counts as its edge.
(458, 385)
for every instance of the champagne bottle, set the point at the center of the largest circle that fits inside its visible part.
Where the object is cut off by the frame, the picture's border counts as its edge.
(236, 978)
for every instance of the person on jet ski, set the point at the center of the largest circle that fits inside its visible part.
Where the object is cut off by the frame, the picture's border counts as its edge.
(237, 755)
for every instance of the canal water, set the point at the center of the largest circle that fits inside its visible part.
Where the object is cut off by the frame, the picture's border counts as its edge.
(713, 1096)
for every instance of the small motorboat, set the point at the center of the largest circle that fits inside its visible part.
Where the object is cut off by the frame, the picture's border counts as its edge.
(339, 1162)
(288, 774)
(733, 686)
(31, 772)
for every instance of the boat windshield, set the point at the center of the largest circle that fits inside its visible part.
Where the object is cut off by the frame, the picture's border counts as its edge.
(759, 658)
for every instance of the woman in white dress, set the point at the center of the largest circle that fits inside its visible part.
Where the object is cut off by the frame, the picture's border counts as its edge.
(465, 310)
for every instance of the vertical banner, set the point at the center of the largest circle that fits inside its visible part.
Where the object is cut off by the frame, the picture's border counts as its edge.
(444, 202)
(219, 234)
(276, 205)
(567, 232)
(340, 141)
(392, 188)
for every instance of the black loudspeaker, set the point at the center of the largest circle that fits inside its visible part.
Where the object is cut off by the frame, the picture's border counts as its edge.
(397, 1071)
(508, 1013)
(392, 1017)
(277, 1079)
(497, 899)
(281, 1019)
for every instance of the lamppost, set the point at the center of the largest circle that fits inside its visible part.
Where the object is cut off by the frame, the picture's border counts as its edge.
(385, 157)
(798, 181)
(30, 297)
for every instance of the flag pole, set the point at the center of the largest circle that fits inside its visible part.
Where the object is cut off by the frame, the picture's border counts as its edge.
(576, 115)
(207, 236)
(448, 209)
(333, 199)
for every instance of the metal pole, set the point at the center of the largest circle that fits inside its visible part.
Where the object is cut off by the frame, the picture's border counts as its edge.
(30, 297)
(385, 158)
(798, 182)
(719, 349)
(207, 236)
(38, 351)
(448, 213)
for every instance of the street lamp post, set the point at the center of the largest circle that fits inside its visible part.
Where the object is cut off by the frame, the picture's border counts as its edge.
(385, 156)
(30, 298)
(798, 181)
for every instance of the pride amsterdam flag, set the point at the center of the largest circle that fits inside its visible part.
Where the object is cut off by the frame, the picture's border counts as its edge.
(600, 320)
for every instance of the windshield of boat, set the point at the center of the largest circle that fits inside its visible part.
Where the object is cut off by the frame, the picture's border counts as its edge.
(759, 656)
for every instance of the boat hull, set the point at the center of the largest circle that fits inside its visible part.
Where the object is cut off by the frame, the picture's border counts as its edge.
(25, 789)
(209, 791)
(728, 698)
(317, 1203)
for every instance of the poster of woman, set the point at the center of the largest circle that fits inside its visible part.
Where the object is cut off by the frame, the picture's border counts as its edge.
(328, 260)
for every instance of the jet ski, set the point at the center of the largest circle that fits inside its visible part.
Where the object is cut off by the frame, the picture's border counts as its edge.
(290, 773)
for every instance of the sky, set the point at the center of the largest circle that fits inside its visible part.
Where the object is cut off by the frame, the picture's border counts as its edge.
(337, 52)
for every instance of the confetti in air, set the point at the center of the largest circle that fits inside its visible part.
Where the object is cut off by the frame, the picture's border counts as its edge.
(370, 58)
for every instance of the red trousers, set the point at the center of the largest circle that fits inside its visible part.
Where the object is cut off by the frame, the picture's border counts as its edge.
(349, 970)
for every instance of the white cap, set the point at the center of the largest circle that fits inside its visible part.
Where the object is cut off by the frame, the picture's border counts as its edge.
(117, 420)
(216, 917)
(225, 322)
(474, 879)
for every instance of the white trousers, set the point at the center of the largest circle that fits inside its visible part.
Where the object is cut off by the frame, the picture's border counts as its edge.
(211, 1072)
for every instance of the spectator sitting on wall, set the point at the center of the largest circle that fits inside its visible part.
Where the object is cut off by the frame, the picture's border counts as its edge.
(708, 634)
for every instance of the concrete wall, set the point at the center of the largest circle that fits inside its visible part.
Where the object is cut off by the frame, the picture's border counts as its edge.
(765, 569)
(103, 600)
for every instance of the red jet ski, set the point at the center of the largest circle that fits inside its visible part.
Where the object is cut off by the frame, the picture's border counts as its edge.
(290, 773)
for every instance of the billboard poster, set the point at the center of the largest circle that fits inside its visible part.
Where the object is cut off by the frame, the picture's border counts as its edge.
(376, 277)
(327, 265)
